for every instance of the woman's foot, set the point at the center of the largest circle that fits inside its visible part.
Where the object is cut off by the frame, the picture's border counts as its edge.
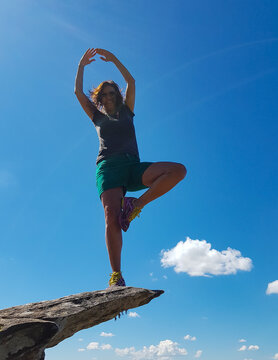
(129, 212)
(116, 279)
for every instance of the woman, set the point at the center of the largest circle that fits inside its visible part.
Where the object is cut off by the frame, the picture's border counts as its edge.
(118, 165)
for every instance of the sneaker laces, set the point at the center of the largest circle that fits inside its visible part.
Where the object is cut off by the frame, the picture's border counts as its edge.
(135, 212)
(115, 276)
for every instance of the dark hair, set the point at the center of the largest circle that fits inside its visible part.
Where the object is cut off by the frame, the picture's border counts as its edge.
(96, 93)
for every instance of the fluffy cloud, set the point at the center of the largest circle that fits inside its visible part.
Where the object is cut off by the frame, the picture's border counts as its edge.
(250, 348)
(164, 350)
(190, 338)
(133, 314)
(275, 357)
(253, 347)
(96, 346)
(243, 348)
(198, 353)
(93, 346)
(106, 334)
(272, 288)
(242, 340)
(197, 258)
(125, 351)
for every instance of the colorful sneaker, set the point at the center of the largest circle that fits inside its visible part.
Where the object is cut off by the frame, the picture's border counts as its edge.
(116, 279)
(129, 212)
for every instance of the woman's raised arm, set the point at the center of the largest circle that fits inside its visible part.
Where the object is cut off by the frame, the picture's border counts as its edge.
(85, 102)
(130, 88)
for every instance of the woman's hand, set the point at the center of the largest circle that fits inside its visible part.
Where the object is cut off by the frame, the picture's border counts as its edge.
(106, 55)
(88, 57)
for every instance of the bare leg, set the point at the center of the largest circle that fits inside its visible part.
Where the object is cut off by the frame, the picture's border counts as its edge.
(111, 200)
(160, 177)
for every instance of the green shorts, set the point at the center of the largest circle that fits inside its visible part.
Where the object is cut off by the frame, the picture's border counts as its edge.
(122, 170)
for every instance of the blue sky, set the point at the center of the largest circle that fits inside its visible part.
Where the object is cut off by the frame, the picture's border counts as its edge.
(207, 84)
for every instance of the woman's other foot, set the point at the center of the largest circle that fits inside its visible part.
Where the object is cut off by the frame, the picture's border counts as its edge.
(116, 279)
(129, 212)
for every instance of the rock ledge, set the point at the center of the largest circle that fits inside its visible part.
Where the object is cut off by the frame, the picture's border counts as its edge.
(27, 330)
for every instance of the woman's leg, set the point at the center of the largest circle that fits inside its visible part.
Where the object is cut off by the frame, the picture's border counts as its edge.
(160, 177)
(111, 201)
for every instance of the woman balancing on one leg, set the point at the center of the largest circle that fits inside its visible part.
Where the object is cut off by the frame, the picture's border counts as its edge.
(118, 165)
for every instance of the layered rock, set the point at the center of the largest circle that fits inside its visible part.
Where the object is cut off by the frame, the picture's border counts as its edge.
(27, 330)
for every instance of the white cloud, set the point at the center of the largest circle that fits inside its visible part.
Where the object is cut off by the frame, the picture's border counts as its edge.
(272, 288)
(164, 350)
(125, 351)
(133, 314)
(80, 339)
(250, 348)
(106, 334)
(253, 347)
(275, 357)
(165, 277)
(197, 258)
(81, 349)
(93, 346)
(243, 348)
(96, 346)
(198, 353)
(242, 340)
(190, 338)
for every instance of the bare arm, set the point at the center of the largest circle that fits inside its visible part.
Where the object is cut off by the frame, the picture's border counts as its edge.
(130, 88)
(84, 101)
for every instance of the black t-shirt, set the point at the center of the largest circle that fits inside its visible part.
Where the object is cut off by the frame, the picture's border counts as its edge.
(116, 134)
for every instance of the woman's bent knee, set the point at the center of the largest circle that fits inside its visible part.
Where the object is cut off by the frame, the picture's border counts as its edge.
(181, 171)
